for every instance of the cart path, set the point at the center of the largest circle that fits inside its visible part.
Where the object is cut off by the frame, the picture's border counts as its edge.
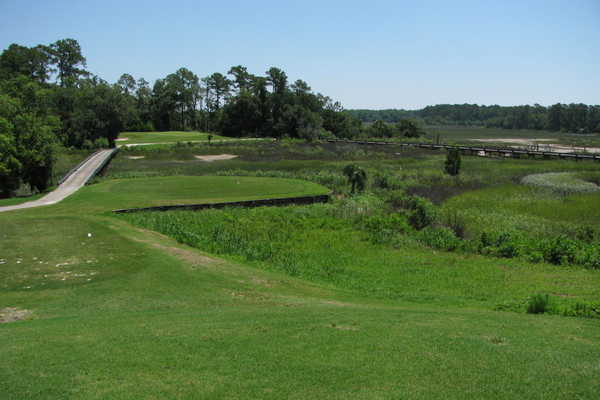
(73, 183)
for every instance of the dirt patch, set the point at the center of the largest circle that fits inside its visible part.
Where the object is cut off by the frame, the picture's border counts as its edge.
(11, 314)
(344, 327)
(192, 257)
(211, 158)
(135, 157)
(438, 194)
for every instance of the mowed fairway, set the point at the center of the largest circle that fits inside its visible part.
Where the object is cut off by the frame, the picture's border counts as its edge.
(124, 313)
(127, 138)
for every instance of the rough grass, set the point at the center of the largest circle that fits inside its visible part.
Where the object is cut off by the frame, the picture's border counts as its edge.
(317, 243)
(526, 209)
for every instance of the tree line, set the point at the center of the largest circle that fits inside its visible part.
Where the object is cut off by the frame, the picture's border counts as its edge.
(48, 99)
(574, 118)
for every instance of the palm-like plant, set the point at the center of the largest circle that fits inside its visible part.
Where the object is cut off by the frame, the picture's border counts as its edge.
(357, 177)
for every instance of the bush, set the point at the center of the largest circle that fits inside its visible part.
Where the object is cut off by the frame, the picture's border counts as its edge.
(440, 238)
(386, 181)
(559, 250)
(499, 244)
(101, 143)
(456, 222)
(538, 304)
(452, 164)
(423, 212)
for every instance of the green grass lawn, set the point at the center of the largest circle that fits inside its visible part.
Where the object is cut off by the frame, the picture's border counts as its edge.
(165, 137)
(130, 314)
(120, 312)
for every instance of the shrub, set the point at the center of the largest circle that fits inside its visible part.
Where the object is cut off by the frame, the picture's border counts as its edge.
(538, 304)
(456, 223)
(386, 181)
(440, 238)
(580, 309)
(357, 177)
(452, 164)
(423, 212)
(101, 143)
(499, 244)
(559, 250)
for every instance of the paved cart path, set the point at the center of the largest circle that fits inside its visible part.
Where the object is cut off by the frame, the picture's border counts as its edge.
(75, 181)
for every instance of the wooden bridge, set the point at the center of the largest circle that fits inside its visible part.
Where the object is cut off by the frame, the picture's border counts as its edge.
(482, 151)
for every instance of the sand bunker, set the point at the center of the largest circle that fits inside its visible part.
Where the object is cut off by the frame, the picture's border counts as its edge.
(216, 157)
(122, 139)
(136, 157)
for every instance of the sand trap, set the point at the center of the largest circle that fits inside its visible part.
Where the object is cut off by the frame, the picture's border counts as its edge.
(122, 139)
(216, 157)
(136, 157)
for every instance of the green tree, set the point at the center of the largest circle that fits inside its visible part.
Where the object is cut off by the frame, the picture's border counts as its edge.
(357, 177)
(297, 121)
(452, 164)
(127, 84)
(34, 63)
(409, 128)
(380, 129)
(70, 63)
(29, 134)
(10, 166)
(242, 80)
(242, 116)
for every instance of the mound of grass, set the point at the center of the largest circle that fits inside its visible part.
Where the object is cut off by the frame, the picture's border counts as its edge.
(561, 182)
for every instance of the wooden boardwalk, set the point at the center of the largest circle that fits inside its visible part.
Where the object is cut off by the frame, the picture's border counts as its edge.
(482, 151)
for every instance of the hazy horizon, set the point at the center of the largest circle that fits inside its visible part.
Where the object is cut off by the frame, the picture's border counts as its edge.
(391, 55)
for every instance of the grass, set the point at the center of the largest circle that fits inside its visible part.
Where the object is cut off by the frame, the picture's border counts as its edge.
(129, 313)
(527, 209)
(314, 243)
(161, 320)
(20, 199)
(165, 137)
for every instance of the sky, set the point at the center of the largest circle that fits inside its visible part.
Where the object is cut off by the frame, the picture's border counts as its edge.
(365, 54)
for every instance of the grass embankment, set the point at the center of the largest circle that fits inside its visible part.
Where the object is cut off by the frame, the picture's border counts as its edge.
(341, 245)
(127, 313)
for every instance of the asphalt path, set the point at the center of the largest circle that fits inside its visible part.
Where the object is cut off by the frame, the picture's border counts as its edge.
(73, 183)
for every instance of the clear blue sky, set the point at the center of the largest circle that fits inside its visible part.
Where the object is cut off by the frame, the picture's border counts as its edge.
(366, 54)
